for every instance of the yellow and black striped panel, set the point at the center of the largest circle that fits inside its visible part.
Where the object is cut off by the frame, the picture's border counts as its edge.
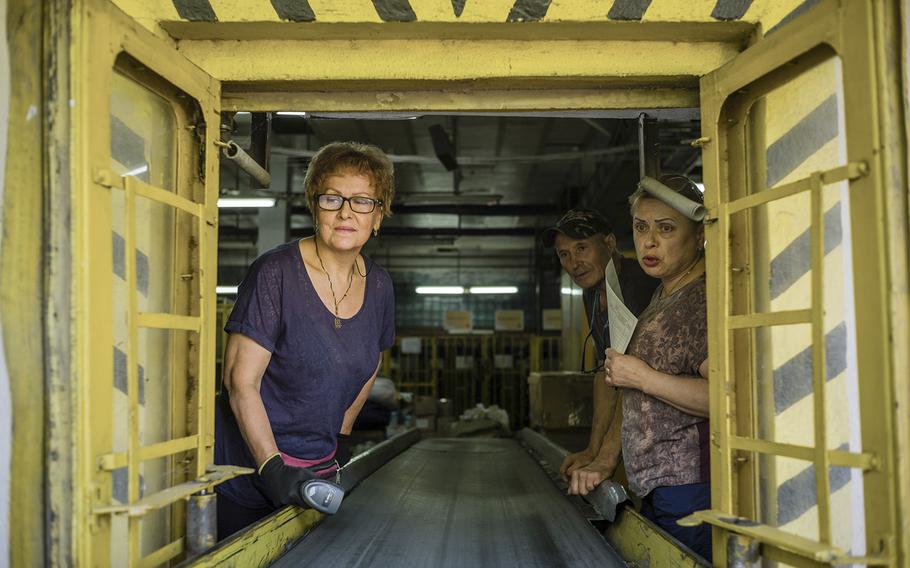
(142, 145)
(804, 133)
(767, 12)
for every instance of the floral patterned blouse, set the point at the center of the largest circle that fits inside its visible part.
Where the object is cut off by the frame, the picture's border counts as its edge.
(662, 445)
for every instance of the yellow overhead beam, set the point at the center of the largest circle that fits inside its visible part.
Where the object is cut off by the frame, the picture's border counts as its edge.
(451, 60)
(461, 100)
(736, 32)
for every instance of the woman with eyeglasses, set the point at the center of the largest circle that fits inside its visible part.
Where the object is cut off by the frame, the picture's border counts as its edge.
(311, 320)
(664, 373)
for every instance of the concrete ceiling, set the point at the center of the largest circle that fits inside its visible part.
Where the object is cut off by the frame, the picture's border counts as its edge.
(517, 174)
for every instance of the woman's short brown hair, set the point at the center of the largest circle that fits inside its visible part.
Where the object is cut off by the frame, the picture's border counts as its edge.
(343, 157)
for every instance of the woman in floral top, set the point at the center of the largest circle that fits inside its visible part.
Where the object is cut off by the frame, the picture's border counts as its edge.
(664, 375)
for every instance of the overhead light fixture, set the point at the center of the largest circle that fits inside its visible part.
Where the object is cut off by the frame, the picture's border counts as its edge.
(456, 290)
(493, 290)
(451, 290)
(245, 202)
(571, 291)
(291, 113)
(226, 290)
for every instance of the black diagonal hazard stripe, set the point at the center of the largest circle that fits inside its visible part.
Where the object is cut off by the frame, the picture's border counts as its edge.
(628, 9)
(394, 10)
(195, 10)
(528, 10)
(799, 10)
(294, 10)
(730, 9)
(797, 495)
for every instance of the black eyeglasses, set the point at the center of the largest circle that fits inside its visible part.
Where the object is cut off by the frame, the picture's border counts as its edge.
(333, 202)
(581, 365)
(584, 344)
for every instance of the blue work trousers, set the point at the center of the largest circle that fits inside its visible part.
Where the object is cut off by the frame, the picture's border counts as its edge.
(666, 505)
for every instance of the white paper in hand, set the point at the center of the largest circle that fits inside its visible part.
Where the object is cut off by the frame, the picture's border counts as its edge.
(622, 321)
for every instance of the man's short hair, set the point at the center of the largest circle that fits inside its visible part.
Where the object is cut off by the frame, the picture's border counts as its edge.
(578, 224)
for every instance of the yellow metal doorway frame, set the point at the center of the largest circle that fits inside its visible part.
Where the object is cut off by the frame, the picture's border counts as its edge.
(854, 32)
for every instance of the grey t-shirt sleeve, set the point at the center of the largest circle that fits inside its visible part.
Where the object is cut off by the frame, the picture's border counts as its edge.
(257, 312)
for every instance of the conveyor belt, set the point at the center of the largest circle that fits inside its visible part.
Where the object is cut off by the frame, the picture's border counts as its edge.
(455, 502)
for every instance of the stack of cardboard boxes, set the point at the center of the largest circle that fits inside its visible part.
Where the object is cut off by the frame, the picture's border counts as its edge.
(424, 410)
(561, 400)
(433, 415)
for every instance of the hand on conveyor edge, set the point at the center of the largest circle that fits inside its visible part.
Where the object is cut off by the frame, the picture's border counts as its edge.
(576, 461)
(288, 485)
(586, 479)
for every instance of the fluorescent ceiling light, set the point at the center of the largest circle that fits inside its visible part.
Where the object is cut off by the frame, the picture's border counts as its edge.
(440, 290)
(291, 113)
(571, 291)
(227, 290)
(245, 202)
(493, 290)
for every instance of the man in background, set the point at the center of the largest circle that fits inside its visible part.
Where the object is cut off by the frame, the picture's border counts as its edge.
(585, 244)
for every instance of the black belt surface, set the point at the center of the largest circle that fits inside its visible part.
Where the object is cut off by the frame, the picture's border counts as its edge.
(456, 502)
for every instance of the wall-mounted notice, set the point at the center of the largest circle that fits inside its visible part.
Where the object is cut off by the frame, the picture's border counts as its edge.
(510, 320)
(552, 320)
(458, 321)
(410, 345)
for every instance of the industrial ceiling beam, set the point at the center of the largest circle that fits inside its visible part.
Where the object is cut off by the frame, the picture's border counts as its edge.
(249, 235)
(509, 210)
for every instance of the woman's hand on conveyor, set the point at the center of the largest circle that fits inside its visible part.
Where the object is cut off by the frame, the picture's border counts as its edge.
(281, 482)
(586, 479)
(576, 461)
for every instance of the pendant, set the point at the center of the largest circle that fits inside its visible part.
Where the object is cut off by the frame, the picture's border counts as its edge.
(337, 323)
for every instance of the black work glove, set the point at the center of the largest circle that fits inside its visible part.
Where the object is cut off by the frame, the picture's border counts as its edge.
(281, 482)
(343, 450)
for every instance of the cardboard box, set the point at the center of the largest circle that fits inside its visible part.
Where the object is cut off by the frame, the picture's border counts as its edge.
(424, 406)
(425, 423)
(561, 400)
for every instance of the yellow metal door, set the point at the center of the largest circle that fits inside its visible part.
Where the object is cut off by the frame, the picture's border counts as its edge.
(802, 386)
(145, 175)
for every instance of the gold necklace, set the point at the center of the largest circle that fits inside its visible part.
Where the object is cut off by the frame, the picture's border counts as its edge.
(332, 288)
(664, 293)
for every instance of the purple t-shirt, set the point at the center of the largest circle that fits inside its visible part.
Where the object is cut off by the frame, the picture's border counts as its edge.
(315, 372)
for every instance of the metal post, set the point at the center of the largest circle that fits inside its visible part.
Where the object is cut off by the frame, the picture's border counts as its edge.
(742, 552)
(201, 523)
(648, 146)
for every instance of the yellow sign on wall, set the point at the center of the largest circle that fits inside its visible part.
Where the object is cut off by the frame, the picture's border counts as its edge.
(509, 320)
(552, 320)
(456, 321)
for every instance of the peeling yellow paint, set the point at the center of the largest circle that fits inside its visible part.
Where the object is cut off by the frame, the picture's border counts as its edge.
(344, 11)
(487, 10)
(435, 11)
(149, 14)
(676, 11)
(244, 10)
(21, 285)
